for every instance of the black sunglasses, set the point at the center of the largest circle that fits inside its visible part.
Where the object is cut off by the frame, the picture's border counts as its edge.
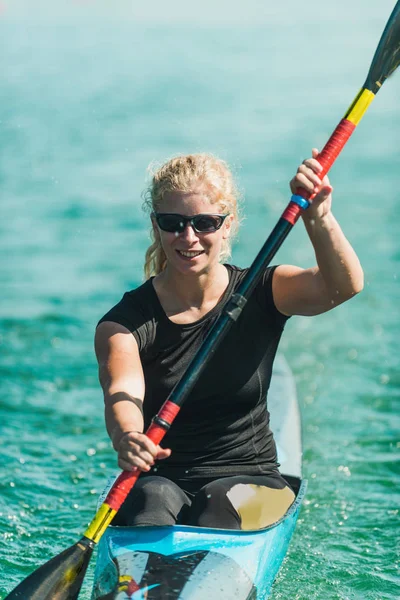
(174, 223)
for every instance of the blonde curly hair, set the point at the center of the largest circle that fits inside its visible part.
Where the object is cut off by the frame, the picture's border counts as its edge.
(184, 174)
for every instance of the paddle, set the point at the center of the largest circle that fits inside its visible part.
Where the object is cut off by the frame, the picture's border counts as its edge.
(61, 578)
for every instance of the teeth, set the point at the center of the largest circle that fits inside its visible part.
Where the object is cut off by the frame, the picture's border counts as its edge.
(189, 254)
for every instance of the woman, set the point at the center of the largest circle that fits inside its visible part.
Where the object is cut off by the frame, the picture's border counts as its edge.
(220, 468)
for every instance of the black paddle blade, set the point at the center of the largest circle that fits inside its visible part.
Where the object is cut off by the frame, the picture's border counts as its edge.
(387, 55)
(59, 579)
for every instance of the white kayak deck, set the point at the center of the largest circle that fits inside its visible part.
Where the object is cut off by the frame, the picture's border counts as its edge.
(285, 420)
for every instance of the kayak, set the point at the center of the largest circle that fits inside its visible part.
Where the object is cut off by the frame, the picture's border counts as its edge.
(182, 562)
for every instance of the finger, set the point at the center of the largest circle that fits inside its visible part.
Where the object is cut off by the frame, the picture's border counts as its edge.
(125, 465)
(146, 457)
(325, 191)
(139, 442)
(315, 152)
(301, 181)
(147, 445)
(310, 173)
(163, 453)
(313, 164)
(134, 449)
(325, 181)
(137, 461)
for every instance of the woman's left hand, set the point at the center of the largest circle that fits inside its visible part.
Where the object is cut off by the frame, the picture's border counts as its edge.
(308, 179)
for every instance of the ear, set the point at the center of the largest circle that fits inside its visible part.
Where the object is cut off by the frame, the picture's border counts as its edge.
(227, 226)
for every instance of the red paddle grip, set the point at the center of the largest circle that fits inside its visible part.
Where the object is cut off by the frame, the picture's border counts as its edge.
(121, 488)
(332, 149)
(125, 482)
(326, 158)
(292, 212)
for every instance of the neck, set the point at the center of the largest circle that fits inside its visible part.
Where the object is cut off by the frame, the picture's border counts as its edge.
(191, 291)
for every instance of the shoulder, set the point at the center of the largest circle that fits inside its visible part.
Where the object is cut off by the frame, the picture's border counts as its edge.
(111, 336)
(236, 274)
(133, 313)
(132, 304)
(265, 280)
(263, 293)
(139, 297)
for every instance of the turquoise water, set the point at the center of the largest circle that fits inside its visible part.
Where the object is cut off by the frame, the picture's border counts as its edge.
(90, 95)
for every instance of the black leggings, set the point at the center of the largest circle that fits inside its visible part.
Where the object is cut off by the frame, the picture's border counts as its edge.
(239, 502)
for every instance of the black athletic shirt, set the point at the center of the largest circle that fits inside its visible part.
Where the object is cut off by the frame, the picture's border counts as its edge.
(223, 427)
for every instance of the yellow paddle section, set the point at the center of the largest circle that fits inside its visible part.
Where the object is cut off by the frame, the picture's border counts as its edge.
(359, 106)
(101, 521)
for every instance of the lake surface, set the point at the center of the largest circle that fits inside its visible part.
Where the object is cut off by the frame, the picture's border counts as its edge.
(89, 96)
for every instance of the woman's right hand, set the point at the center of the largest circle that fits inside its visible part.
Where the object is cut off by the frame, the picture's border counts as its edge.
(136, 450)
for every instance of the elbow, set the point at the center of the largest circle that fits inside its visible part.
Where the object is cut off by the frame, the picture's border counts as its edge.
(357, 286)
(354, 287)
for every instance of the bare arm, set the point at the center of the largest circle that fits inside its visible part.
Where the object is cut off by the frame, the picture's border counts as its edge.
(121, 377)
(338, 275)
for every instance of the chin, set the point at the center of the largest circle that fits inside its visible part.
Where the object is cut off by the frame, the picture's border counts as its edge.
(199, 268)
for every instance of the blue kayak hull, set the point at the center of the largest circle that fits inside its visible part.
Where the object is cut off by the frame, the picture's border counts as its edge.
(182, 562)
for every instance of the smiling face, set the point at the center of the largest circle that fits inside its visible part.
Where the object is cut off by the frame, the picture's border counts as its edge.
(189, 185)
(191, 252)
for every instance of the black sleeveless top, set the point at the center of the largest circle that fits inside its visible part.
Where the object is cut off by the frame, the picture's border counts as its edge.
(223, 427)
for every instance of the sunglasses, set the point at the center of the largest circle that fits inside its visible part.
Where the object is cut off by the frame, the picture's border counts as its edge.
(174, 223)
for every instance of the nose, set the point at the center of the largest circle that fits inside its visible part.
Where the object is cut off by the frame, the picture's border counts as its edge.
(189, 233)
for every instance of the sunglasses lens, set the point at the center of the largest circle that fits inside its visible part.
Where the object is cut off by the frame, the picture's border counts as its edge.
(207, 223)
(175, 223)
(171, 223)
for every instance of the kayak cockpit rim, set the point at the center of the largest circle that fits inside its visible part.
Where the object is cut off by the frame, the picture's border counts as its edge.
(298, 485)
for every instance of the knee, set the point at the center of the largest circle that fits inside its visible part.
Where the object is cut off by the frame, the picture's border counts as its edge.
(160, 490)
(153, 501)
(212, 494)
(212, 508)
